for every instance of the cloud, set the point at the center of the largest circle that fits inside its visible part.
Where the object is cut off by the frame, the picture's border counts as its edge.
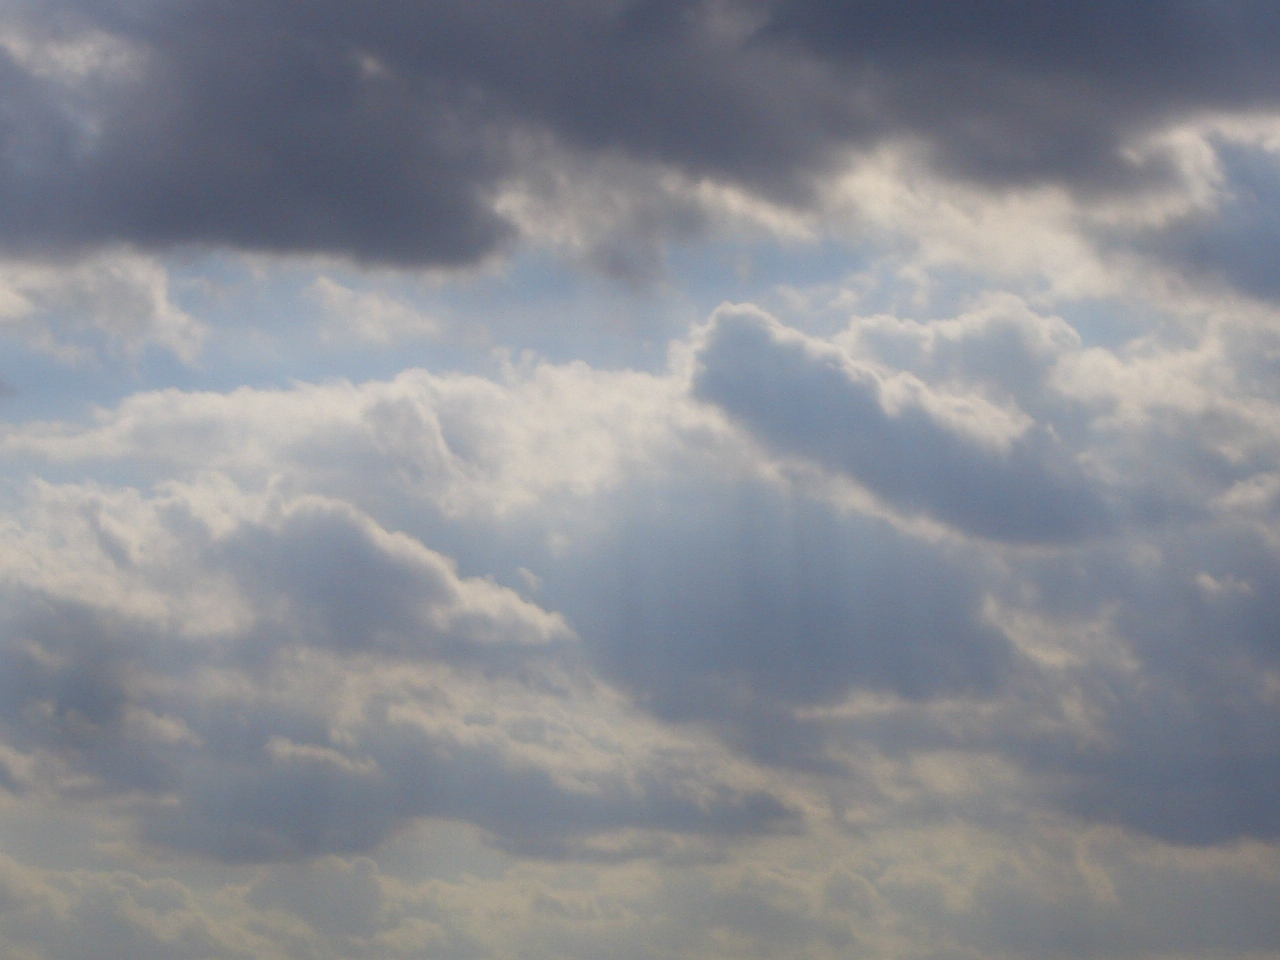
(109, 915)
(650, 524)
(339, 580)
(719, 564)
(920, 605)
(391, 136)
(1185, 740)
(452, 444)
(370, 317)
(291, 679)
(739, 605)
(109, 305)
(1022, 94)
(1229, 238)
(982, 467)
(1041, 890)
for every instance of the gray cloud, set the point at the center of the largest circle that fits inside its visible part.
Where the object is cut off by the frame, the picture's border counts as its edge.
(737, 605)
(949, 631)
(724, 583)
(1024, 92)
(1235, 240)
(1153, 708)
(1181, 743)
(111, 916)
(1191, 749)
(383, 133)
(358, 685)
(804, 397)
(66, 674)
(283, 801)
(328, 577)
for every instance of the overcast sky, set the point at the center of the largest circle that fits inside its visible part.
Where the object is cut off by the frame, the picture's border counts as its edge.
(639, 479)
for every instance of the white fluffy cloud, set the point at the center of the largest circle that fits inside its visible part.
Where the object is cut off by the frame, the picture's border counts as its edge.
(369, 317)
(106, 305)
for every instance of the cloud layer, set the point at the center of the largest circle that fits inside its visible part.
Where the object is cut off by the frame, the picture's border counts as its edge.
(393, 138)
(639, 478)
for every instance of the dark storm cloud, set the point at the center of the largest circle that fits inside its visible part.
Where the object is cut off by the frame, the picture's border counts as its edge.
(376, 132)
(1019, 91)
(255, 132)
(382, 131)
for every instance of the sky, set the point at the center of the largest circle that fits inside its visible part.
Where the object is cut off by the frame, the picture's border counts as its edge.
(639, 480)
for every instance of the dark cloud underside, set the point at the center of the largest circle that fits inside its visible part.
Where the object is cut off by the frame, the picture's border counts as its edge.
(382, 132)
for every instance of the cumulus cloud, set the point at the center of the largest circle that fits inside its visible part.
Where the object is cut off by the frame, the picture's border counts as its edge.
(1229, 237)
(368, 317)
(285, 678)
(980, 466)
(739, 632)
(735, 579)
(108, 305)
(530, 454)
